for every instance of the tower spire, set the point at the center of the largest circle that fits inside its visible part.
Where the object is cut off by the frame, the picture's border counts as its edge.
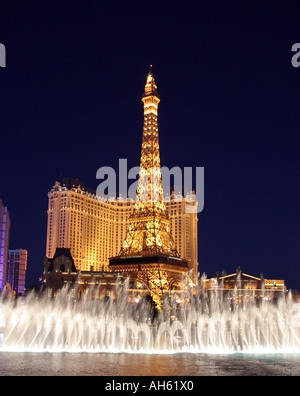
(150, 87)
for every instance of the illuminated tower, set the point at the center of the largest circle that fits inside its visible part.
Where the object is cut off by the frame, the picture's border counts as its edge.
(149, 225)
(4, 243)
(148, 253)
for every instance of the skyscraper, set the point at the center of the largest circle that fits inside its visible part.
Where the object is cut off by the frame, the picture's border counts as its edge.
(92, 228)
(16, 270)
(4, 243)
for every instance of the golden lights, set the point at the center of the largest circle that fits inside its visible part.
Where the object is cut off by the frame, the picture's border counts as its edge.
(149, 226)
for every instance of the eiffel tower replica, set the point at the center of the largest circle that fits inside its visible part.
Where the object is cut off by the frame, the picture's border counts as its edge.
(148, 254)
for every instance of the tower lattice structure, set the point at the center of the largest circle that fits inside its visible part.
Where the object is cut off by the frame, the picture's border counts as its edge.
(149, 226)
(148, 254)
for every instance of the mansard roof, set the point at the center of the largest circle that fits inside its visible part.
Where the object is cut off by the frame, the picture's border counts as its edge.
(66, 252)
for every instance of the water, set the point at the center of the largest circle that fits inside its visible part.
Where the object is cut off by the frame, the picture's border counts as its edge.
(106, 364)
(215, 325)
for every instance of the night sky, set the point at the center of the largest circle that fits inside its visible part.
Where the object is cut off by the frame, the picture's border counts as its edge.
(70, 103)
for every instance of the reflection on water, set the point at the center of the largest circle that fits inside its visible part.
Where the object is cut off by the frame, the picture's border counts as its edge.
(208, 325)
(106, 364)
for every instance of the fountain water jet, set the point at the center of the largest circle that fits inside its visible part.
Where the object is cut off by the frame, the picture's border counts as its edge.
(211, 324)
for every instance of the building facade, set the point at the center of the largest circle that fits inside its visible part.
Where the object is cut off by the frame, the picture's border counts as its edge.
(4, 243)
(16, 270)
(95, 229)
(91, 227)
(241, 288)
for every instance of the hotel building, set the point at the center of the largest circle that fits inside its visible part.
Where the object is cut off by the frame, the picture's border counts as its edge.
(16, 270)
(4, 243)
(241, 288)
(95, 229)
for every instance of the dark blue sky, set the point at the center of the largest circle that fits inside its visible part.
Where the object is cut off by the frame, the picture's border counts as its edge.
(71, 102)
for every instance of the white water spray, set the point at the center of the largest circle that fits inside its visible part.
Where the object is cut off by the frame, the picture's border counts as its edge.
(209, 325)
